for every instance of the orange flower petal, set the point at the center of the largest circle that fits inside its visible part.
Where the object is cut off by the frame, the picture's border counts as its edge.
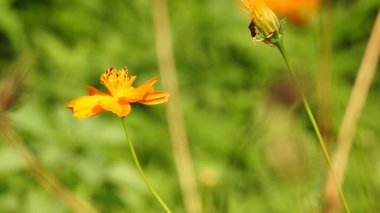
(114, 105)
(93, 91)
(155, 98)
(138, 94)
(86, 106)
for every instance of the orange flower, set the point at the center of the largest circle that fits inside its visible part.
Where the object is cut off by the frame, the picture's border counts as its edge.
(121, 94)
(297, 11)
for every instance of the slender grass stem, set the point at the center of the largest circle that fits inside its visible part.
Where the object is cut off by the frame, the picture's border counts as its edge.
(281, 48)
(174, 113)
(135, 159)
(360, 91)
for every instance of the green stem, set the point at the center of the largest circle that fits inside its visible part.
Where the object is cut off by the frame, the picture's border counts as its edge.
(135, 159)
(281, 48)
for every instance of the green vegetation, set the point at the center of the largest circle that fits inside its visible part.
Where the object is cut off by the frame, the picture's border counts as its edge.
(253, 148)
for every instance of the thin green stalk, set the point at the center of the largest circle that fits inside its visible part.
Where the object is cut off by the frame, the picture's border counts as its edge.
(281, 48)
(135, 159)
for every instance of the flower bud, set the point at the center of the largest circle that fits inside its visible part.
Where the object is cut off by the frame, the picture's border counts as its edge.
(263, 18)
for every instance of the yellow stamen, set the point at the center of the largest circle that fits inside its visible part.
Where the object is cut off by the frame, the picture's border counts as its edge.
(117, 81)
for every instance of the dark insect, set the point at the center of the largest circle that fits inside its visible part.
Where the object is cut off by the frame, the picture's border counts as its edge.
(252, 28)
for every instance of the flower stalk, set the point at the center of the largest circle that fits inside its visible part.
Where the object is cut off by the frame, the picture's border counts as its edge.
(265, 27)
(280, 46)
(137, 163)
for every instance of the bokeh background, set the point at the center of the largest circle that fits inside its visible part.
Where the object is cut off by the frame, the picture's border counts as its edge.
(252, 146)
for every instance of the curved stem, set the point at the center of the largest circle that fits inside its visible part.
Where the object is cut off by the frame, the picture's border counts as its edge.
(281, 48)
(135, 159)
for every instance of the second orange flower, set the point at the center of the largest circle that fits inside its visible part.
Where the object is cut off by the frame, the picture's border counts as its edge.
(121, 94)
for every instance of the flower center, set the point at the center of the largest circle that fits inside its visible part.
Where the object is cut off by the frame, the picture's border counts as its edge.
(117, 81)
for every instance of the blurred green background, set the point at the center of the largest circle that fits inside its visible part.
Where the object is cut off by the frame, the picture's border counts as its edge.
(252, 151)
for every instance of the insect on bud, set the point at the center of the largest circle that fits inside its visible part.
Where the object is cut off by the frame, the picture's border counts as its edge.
(264, 24)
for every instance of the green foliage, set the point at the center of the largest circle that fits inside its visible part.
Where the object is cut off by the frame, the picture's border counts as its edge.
(259, 157)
